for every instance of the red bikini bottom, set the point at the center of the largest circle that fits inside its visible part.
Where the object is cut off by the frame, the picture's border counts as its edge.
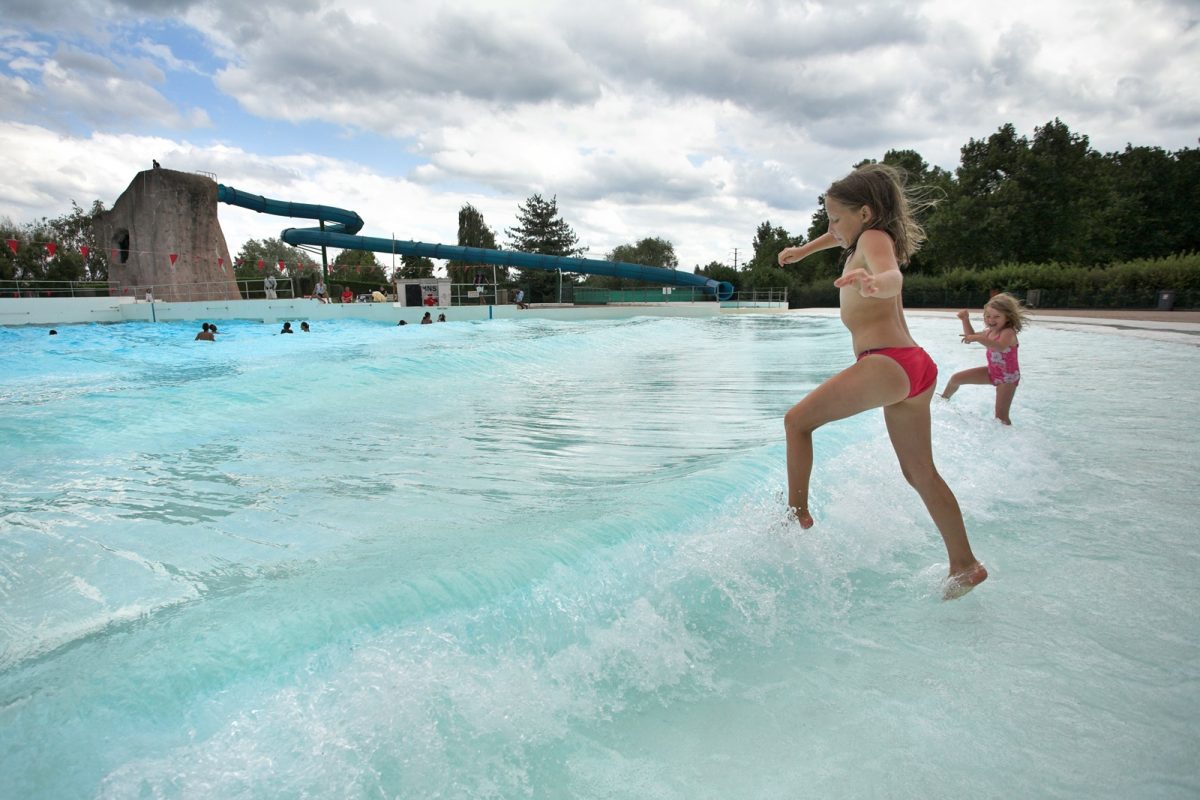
(916, 363)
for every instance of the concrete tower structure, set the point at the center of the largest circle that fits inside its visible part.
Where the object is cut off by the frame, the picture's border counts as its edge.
(166, 212)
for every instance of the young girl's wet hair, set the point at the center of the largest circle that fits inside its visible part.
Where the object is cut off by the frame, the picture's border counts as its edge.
(893, 206)
(1012, 310)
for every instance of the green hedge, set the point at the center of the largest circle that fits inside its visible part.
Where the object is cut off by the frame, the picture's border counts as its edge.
(1131, 284)
(588, 296)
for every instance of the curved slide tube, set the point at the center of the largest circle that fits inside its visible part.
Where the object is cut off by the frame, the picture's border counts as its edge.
(344, 225)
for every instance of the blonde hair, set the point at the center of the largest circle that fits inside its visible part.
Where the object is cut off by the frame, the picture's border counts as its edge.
(1011, 308)
(893, 205)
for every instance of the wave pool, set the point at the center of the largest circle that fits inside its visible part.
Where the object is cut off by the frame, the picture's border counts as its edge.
(525, 558)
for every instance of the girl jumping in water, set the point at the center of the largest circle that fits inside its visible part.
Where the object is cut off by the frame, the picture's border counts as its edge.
(1003, 318)
(871, 219)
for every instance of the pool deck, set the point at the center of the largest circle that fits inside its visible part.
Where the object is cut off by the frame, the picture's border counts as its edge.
(1167, 321)
(1183, 322)
(1182, 326)
(1133, 314)
(1148, 319)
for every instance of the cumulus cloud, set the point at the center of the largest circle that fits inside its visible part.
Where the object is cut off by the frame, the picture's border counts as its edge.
(385, 59)
(163, 54)
(75, 86)
(15, 48)
(15, 92)
(100, 93)
(46, 170)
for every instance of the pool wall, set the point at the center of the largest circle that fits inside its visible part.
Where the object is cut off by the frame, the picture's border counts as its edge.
(68, 310)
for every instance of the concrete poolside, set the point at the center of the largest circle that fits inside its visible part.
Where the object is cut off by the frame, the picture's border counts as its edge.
(1149, 324)
(1082, 315)
(1180, 327)
(1187, 322)
(1141, 315)
(67, 310)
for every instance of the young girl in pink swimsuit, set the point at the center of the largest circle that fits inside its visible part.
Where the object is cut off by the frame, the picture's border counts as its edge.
(871, 219)
(1003, 318)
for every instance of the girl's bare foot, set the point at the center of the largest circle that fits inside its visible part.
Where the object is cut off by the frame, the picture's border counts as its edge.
(962, 582)
(802, 516)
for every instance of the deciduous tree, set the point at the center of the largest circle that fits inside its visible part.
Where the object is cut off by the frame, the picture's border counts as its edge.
(651, 251)
(412, 267)
(473, 232)
(357, 266)
(270, 252)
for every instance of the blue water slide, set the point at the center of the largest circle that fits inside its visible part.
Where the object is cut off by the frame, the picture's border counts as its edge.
(342, 226)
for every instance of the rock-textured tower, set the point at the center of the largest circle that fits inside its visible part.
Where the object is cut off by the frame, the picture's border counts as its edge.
(165, 212)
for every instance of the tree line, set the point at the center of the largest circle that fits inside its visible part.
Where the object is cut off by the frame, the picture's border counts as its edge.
(1046, 199)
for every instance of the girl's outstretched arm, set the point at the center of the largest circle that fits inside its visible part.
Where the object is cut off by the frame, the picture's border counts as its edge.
(1005, 340)
(965, 316)
(882, 278)
(790, 255)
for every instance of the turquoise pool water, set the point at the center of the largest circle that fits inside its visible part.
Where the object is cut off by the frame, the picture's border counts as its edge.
(538, 559)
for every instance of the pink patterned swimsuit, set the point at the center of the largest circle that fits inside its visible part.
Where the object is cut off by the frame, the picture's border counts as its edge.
(1002, 366)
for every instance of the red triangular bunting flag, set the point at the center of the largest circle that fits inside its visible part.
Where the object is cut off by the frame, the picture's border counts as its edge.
(84, 250)
(12, 245)
(260, 263)
(173, 257)
(51, 247)
(220, 261)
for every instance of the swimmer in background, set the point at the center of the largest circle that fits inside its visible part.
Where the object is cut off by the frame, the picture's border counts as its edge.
(206, 334)
(870, 217)
(304, 327)
(287, 328)
(1003, 319)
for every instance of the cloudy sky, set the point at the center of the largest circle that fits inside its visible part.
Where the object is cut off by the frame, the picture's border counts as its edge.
(691, 121)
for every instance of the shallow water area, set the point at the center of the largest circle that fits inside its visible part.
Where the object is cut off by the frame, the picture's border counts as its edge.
(526, 558)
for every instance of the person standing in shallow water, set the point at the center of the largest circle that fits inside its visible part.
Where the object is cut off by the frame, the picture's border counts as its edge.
(871, 218)
(1003, 319)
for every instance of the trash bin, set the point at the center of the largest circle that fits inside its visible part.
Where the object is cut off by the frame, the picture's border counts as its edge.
(1166, 301)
